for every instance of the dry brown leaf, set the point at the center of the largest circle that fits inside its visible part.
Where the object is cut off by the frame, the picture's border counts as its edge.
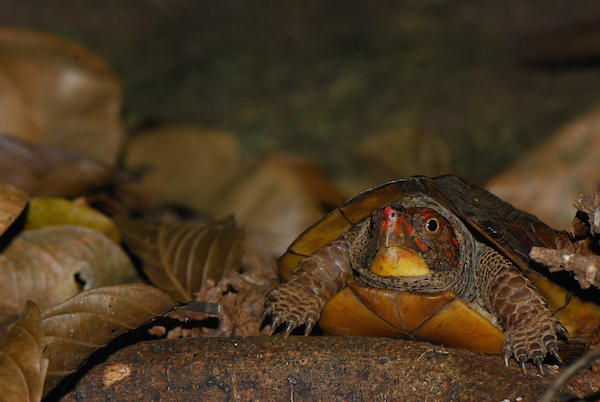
(57, 91)
(43, 212)
(48, 170)
(314, 179)
(402, 153)
(72, 179)
(22, 362)
(240, 295)
(546, 180)
(12, 202)
(14, 112)
(77, 327)
(186, 165)
(276, 201)
(180, 257)
(52, 264)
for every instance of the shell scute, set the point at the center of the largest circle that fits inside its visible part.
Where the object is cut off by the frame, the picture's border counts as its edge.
(458, 325)
(404, 310)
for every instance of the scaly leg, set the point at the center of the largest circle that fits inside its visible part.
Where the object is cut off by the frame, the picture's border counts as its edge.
(316, 280)
(529, 327)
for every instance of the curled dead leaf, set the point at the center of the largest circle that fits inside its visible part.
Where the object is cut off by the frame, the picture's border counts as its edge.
(22, 362)
(72, 179)
(47, 170)
(12, 203)
(557, 170)
(186, 165)
(52, 264)
(278, 199)
(402, 153)
(180, 257)
(43, 212)
(57, 91)
(77, 327)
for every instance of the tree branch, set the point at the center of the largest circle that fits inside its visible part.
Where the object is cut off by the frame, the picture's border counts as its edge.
(308, 368)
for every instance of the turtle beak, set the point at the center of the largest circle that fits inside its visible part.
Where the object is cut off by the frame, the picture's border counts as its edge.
(392, 258)
(398, 261)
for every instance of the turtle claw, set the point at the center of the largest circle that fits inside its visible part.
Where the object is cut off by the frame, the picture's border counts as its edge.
(533, 341)
(289, 327)
(538, 363)
(522, 359)
(267, 311)
(561, 330)
(275, 321)
(506, 353)
(289, 307)
(310, 323)
(555, 354)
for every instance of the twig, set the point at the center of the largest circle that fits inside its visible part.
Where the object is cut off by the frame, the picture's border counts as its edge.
(585, 267)
(590, 205)
(569, 372)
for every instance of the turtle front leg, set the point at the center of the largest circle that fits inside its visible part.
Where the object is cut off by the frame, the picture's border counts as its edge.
(317, 279)
(529, 327)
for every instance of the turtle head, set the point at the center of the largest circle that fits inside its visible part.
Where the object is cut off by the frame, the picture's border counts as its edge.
(413, 240)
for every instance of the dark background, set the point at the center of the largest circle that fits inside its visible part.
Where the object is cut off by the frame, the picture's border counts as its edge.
(317, 78)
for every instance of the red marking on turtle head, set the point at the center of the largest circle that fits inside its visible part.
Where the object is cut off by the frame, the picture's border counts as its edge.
(429, 213)
(395, 220)
(394, 228)
(418, 228)
(420, 244)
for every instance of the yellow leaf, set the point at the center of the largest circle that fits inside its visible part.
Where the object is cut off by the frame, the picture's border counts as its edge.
(44, 212)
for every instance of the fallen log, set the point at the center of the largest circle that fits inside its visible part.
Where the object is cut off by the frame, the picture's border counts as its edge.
(312, 368)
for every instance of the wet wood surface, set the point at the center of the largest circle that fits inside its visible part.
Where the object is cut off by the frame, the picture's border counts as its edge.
(313, 368)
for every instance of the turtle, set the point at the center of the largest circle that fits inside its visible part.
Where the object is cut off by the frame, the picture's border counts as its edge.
(437, 259)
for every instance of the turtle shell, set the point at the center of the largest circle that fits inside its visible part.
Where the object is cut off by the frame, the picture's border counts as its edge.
(442, 317)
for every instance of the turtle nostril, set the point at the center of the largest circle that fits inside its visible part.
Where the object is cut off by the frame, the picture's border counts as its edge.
(390, 213)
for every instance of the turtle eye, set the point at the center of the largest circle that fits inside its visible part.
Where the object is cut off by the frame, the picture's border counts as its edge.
(432, 225)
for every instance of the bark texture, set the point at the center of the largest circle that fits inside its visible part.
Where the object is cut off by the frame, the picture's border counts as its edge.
(312, 368)
(586, 268)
